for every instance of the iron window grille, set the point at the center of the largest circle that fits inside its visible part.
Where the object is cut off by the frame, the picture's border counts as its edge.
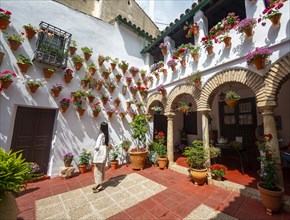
(52, 45)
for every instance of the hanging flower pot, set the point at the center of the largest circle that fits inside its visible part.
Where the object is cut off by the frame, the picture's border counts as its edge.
(209, 50)
(128, 104)
(118, 78)
(259, 62)
(29, 33)
(101, 62)
(164, 51)
(4, 23)
(14, 45)
(197, 83)
(90, 99)
(124, 70)
(128, 80)
(183, 63)
(105, 75)
(133, 116)
(4, 84)
(144, 95)
(72, 50)
(95, 114)
(228, 42)
(87, 56)
(55, 92)
(63, 109)
(104, 100)
(134, 72)
(110, 114)
(48, 72)
(23, 67)
(113, 66)
(111, 89)
(117, 102)
(92, 70)
(195, 57)
(276, 19)
(183, 109)
(78, 65)
(163, 92)
(249, 32)
(231, 103)
(67, 78)
(98, 86)
(84, 83)
(33, 88)
(81, 111)
(195, 30)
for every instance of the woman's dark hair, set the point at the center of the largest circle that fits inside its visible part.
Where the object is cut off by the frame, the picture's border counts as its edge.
(105, 130)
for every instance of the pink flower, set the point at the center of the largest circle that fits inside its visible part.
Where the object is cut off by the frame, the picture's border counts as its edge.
(186, 36)
(259, 20)
(265, 11)
(1, 10)
(263, 23)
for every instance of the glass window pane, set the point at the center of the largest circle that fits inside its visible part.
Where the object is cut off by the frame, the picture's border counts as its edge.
(246, 119)
(245, 107)
(229, 120)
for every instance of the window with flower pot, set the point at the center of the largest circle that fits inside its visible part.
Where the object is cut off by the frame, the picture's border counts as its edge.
(52, 45)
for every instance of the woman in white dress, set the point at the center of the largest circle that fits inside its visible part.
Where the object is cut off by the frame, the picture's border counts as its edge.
(100, 157)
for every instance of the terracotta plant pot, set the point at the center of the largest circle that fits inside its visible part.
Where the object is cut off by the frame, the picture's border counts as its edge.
(83, 168)
(272, 200)
(122, 116)
(260, 62)
(138, 160)
(164, 93)
(183, 63)
(114, 164)
(110, 114)
(81, 111)
(98, 86)
(95, 113)
(133, 117)
(105, 75)
(134, 73)
(67, 163)
(195, 30)
(162, 162)
(63, 109)
(1, 57)
(128, 81)
(84, 83)
(92, 70)
(47, 73)
(197, 83)
(29, 33)
(101, 62)
(23, 67)
(14, 45)
(55, 92)
(184, 109)
(128, 104)
(124, 70)
(87, 56)
(4, 23)
(231, 103)
(173, 68)
(111, 89)
(144, 96)
(4, 84)
(90, 99)
(198, 176)
(228, 42)
(78, 65)
(276, 19)
(195, 57)
(117, 102)
(113, 66)
(143, 76)
(138, 84)
(72, 50)
(164, 51)
(157, 75)
(104, 101)
(33, 89)
(209, 50)
(67, 78)
(118, 78)
(249, 32)
(164, 71)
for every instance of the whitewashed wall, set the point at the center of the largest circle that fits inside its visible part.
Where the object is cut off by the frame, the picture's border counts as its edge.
(71, 133)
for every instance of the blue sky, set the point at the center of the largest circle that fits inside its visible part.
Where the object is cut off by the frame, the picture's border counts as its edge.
(166, 11)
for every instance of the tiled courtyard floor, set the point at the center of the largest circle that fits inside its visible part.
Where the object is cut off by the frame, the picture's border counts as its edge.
(147, 194)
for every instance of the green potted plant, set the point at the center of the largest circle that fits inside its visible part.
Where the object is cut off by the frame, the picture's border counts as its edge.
(126, 145)
(78, 105)
(90, 96)
(5, 17)
(48, 72)
(73, 47)
(271, 193)
(67, 159)
(194, 80)
(114, 63)
(218, 171)
(183, 107)
(15, 40)
(111, 86)
(6, 79)
(156, 109)
(64, 104)
(99, 83)
(92, 68)
(56, 89)
(84, 160)
(139, 130)
(118, 77)
(114, 154)
(87, 78)
(258, 56)
(161, 150)
(30, 30)
(78, 61)
(196, 158)
(33, 84)
(101, 59)
(96, 108)
(124, 66)
(14, 176)
(23, 63)
(232, 98)
(105, 72)
(87, 52)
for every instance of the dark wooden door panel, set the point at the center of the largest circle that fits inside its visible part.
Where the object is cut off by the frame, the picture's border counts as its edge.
(33, 133)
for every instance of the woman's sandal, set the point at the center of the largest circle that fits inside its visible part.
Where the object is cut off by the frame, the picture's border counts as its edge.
(98, 190)
(96, 187)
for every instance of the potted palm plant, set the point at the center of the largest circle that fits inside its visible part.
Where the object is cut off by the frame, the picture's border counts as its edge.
(232, 98)
(271, 193)
(139, 130)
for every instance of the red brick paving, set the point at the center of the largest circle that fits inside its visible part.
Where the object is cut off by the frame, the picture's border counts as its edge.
(179, 199)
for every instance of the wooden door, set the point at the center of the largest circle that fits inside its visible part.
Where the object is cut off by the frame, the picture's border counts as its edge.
(32, 134)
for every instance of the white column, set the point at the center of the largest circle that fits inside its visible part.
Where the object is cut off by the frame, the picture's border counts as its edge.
(202, 22)
(170, 146)
(205, 137)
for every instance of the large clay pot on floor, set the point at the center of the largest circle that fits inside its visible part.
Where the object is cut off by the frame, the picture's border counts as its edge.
(138, 160)
(8, 207)
(83, 168)
(198, 176)
(272, 200)
(162, 162)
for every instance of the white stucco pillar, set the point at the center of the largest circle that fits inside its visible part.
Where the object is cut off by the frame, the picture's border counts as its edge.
(270, 128)
(202, 22)
(148, 59)
(170, 146)
(170, 47)
(205, 134)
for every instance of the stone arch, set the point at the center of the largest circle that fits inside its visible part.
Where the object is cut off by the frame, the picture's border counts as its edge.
(275, 77)
(155, 97)
(178, 90)
(254, 81)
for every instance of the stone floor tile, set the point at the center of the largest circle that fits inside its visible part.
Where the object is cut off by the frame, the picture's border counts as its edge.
(102, 203)
(80, 211)
(71, 194)
(42, 203)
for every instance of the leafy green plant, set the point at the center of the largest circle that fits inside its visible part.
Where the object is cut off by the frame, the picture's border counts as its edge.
(77, 58)
(232, 95)
(85, 157)
(29, 27)
(190, 80)
(87, 50)
(15, 172)
(126, 145)
(16, 37)
(73, 43)
(123, 64)
(115, 61)
(160, 147)
(139, 129)
(91, 65)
